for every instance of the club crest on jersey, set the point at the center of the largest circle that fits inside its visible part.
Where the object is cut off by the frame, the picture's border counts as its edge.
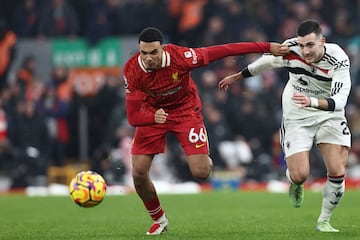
(175, 77)
(303, 81)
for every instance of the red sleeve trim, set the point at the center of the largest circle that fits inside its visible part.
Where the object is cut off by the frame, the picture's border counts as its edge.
(232, 49)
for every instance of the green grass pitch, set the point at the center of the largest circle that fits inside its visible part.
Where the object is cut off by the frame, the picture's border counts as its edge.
(213, 215)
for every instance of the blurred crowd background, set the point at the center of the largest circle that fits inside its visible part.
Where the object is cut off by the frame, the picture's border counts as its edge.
(39, 117)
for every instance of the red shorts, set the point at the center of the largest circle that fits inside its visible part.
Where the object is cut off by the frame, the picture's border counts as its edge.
(191, 135)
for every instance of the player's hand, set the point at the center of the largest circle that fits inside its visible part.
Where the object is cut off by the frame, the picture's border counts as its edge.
(225, 82)
(278, 49)
(160, 116)
(301, 99)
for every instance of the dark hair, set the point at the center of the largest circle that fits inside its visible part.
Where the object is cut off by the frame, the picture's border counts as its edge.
(151, 34)
(309, 26)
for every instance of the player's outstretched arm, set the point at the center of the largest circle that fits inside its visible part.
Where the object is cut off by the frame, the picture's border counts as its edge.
(278, 49)
(217, 52)
(228, 80)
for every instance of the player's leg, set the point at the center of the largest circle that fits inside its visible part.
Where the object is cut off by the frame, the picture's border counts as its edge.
(298, 169)
(193, 138)
(146, 191)
(143, 151)
(335, 157)
(334, 141)
(200, 166)
(296, 138)
(140, 172)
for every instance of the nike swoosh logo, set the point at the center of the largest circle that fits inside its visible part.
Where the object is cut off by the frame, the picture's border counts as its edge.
(199, 145)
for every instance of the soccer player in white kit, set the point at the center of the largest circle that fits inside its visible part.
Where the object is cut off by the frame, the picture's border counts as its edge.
(313, 104)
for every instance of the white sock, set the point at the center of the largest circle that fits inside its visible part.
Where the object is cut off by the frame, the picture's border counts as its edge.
(161, 219)
(332, 193)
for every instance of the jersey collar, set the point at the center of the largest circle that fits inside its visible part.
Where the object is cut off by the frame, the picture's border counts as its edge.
(165, 61)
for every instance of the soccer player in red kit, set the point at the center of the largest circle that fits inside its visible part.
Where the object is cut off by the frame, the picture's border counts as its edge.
(161, 97)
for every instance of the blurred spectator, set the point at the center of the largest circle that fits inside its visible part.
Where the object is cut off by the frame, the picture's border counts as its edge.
(300, 10)
(125, 16)
(254, 34)
(215, 32)
(237, 156)
(114, 161)
(278, 157)
(218, 131)
(117, 15)
(344, 27)
(58, 19)
(353, 50)
(189, 17)
(31, 140)
(56, 104)
(4, 143)
(226, 66)
(353, 111)
(263, 17)
(248, 122)
(287, 28)
(270, 97)
(112, 155)
(156, 20)
(7, 51)
(234, 15)
(25, 19)
(9, 99)
(207, 85)
(8, 162)
(106, 100)
(353, 165)
(98, 27)
(26, 75)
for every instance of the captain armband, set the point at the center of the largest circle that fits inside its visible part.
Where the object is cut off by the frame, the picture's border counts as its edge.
(246, 73)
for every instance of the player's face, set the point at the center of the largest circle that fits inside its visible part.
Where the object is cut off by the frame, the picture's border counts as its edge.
(311, 47)
(151, 53)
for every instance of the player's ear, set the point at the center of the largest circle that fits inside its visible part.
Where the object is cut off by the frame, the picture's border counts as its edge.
(323, 39)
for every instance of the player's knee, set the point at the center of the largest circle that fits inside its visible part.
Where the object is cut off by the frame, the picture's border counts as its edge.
(202, 173)
(336, 171)
(298, 177)
(139, 176)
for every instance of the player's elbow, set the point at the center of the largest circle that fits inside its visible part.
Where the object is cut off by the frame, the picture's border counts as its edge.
(132, 122)
(136, 121)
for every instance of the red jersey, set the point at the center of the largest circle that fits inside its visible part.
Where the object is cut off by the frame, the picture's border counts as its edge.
(171, 87)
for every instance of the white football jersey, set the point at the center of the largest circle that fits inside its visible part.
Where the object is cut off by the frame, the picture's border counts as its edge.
(328, 78)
